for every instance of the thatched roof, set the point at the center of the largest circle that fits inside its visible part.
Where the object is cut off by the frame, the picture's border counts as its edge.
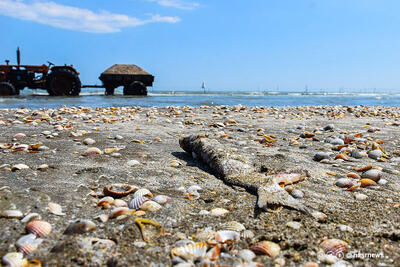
(125, 69)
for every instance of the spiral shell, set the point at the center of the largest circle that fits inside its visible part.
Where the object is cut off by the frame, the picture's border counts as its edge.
(14, 259)
(137, 202)
(162, 199)
(227, 236)
(28, 243)
(334, 247)
(80, 227)
(266, 248)
(142, 193)
(190, 252)
(118, 190)
(151, 206)
(39, 228)
(233, 226)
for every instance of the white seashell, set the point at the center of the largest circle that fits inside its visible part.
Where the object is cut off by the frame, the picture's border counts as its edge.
(14, 259)
(80, 227)
(233, 226)
(246, 255)
(43, 167)
(190, 252)
(193, 188)
(162, 199)
(151, 206)
(103, 217)
(204, 212)
(175, 163)
(142, 192)
(56, 209)
(319, 216)
(29, 217)
(360, 196)
(18, 167)
(28, 243)
(89, 141)
(120, 203)
(10, 214)
(19, 135)
(219, 212)
(91, 151)
(105, 202)
(227, 236)
(247, 234)
(39, 228)
(294, 225)
(120, 211)
(206, 235)
(181, 189)
(137, 202)
(132, 163)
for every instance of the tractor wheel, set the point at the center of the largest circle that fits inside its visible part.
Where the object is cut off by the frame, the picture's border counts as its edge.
(135, 88)
(63, 82)
(7, 88)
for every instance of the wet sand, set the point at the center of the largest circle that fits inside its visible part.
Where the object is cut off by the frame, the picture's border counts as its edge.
(268, 137)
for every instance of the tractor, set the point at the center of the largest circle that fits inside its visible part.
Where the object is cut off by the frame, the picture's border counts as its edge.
(57, 80)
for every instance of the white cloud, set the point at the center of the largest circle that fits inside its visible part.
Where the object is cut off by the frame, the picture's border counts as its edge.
(180, 4)
(73, 18)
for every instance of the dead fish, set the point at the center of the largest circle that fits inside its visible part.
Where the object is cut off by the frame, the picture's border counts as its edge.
(236, 170)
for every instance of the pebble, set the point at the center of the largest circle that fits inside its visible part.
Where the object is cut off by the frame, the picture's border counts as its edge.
(329, 127)
(375, 154)
(296, 193)
(294, 225)
(132, 163)
(372, 174)
(360, 196)
(321, 155)
(337, 142)
(355, 154)
(89, 141)
(345, 228)
(219, 212)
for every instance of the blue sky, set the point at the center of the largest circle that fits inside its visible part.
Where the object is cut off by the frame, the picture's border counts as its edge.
(231, 44)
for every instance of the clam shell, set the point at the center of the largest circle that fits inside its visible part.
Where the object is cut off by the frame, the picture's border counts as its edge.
(354, 175)
(29, 217)
(367, 182)
(137, 202)
(372, 174)
(335, 247)
(120, 203)
(227, 236)
(219, 212)
(190, 252)
(345, 183)
(162, 199)
(121, 211)
(89, 141)
(206, 235)
(39, 228)
(142, 192)
(105, 202)
(91, 151)
(56, 209)
(14, 259)
(247, 255)
(150, 206)
(247, 234)
(118, 190)
(80, 227)
(12, 214)
(19, 166)
(233, 226)
(28, 243)
(19, 135)
(266, 248)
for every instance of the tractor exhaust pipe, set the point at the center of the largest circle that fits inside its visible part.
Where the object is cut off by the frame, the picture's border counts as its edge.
(18, 57)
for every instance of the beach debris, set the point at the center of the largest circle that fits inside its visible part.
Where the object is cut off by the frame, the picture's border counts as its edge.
(149, 229)
(119, 190)
(218, 212)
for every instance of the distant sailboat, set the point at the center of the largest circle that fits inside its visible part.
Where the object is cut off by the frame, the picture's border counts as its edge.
(203, 86)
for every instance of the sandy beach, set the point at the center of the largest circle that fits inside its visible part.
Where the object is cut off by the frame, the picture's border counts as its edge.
(354, 221)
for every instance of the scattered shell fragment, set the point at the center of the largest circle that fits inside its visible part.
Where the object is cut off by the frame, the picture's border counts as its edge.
(294, 225)
(29, 217)
(345, 183)
(120, 203)
(18, 167)
(132, 163)
(190, 252)
(354, 175)
(121, 211)
(227, 236)
(233, 226)
(89, 141)
(319, 216)
(335, 247)
(266, 248)
(39, 228)
(219, 212)
(143, 192)
(247, 234)
(367, 182)
(105, 202)
(56, 209)
(12, 214)
(206, 235)
(91, 151)
(80, 227)
(43, 167)
(247, 255)
(151, 206)
(28, 243)
(118, 190)
(19, 135)
(162, 199)
(14, 259)
(137, 202)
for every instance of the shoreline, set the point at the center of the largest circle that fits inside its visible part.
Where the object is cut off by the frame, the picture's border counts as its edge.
(147, 141)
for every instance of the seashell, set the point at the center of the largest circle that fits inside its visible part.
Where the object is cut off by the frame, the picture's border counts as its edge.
(294, 225)
(219, 212)
(287, 178)
(139, 213)
(335, 247)
(142, 193)
(360, 196)
(91, 151)
(89, 141)
(162, 199)
(190, 252)
(19, 135)
(80, 227)
(10, 214)
(233, 226)
(321, 155)
(367, 182)
(375, 154)
(363, 169)
(39, 228)
(266, 248)
(319, 216)
(43, 167)
(175, 163)
(105, 202)
(118, 190)
(329, 127)
(120, 203)
(354, 175)
(193, 195)
(93, 243)
(296, 193)
(103, 217)
(29, 217)
(372, 174)
(137, 202)
(28, 243)
(132, 163)
(227, 236)
(14, 259)
(193, 188)
(110, 150)
(247, 255)
(206, 235)
(355, 154)
(151, 206)
(247, 234)
(18, 167)
(121, 211)
(345, 183)
(382, 181)
(343, 157)
(56, 209)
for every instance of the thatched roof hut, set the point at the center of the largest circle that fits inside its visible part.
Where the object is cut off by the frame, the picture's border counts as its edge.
(125, 69)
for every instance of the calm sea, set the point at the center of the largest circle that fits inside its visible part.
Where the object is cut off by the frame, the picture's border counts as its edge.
(89, 98)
